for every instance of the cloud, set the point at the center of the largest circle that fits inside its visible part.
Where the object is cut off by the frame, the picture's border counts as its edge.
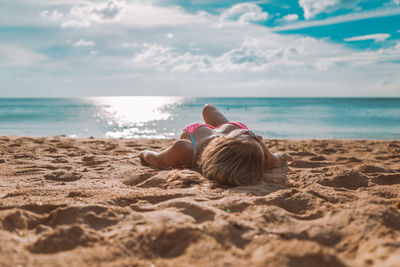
(236, 59)
(340, 19)
(244, 12)
(254, 54)
(16, 56)
(379, 37)
(314, 7)
(82, 15)
(291, 17)
(111, 11)
(75, 24)
(132, 14)
(84, 43)
(53, 15)
(377, 60)
(166, 59)
(102, 12)
(266, 54)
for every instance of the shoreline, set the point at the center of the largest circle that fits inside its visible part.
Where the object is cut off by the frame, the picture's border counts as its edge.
(73, 201)
(168, 139)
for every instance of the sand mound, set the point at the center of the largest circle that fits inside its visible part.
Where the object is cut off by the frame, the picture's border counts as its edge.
(74, 202)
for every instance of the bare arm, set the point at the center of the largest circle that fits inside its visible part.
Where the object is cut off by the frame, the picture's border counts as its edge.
(213, 116)
(179, 155)
(272, 160)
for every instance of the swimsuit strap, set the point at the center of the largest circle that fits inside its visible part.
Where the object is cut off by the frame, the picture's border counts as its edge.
(191, 128)
(239, 124)
(194, 152)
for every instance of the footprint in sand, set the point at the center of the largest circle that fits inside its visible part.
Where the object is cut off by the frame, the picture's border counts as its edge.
(348, 159)
(59, 160)
(302, 154)
(306, 164)
(318, 158)
(366, 168)
(63, 176)
(91, 161)
(73, 194)
(14, 145)
(349, 179)
(199, 212)
(94, 216)
(16, 219)
(51, 150)
(63, 238)
(387, 179)
(22, 156)
(168, 242)
(28, 171)
(155, 199)
(328, 151)
(293, 201)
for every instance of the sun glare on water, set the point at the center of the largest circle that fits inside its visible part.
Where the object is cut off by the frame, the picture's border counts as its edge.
(133, 117)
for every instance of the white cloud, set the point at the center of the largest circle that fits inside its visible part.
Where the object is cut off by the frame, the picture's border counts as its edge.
(341, 19)
(99, 12)
(314, 7)
(130, 14)
(84, 43)
(139, 14)
(236, 59)
(244, 12)
(379, 37)
(169, 35)
(82, 15)
(75, 24)
(291, 17)
(165, 59)
(255, 54)
(53, 15)
(16, 56)
(377, 59)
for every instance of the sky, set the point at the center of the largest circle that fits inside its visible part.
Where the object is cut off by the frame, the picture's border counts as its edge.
(270, 48)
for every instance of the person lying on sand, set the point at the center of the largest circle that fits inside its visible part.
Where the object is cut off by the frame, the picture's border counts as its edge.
(223, 150)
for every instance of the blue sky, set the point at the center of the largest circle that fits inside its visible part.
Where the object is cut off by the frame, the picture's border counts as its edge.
(303, 48)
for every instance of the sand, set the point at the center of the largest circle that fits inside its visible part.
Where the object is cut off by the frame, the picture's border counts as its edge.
(75, 202)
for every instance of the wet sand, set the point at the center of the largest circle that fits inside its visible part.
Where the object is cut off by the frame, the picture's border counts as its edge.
(74, 202)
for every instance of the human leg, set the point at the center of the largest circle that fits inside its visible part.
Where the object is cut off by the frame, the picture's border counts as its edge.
(213, 116)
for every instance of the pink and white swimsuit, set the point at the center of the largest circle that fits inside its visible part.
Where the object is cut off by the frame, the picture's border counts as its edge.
(191, 128)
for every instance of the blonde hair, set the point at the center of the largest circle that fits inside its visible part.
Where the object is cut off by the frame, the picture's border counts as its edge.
(232, 160)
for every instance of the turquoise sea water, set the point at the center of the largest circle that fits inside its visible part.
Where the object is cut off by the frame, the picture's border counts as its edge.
(164, 117)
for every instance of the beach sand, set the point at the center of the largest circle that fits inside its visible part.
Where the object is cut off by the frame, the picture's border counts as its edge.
(74, 202)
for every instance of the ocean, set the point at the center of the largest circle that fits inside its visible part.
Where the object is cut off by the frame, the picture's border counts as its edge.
(164, 117)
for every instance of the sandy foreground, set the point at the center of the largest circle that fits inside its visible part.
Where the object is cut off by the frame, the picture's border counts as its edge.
(74, 202)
